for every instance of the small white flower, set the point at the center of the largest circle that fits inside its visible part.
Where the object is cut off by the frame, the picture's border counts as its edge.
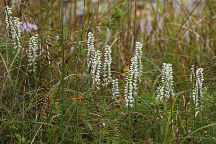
(189, 131)
(107, 65)
(166, 90)
(104, 124)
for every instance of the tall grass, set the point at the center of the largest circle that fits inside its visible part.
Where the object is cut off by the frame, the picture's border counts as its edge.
(58, 102)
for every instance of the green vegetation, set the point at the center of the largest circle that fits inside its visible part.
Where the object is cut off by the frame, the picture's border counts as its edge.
(49, 86)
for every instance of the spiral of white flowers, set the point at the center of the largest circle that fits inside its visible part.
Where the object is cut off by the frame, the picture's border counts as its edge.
(96, 68)
(138, 53)
(91, 50)
(166, 90)
(131, 82)
(115, 88)
(33, 51)
(107, 66)
(16, 33)
(8, 18)
(13, 28)
(196, 79)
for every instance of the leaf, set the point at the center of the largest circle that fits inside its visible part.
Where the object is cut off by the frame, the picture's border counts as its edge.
(125, 69)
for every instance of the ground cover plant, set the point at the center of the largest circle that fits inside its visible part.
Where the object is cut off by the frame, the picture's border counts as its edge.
(108, 71)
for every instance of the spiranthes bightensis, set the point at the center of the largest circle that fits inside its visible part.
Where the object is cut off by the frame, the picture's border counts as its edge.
(91, 50)
(16, 33)
(33, 52)
(107, 66)
(13, 29)
(96, 68)
(196, 80)
(166, 90)
(115, 89)
(8, 19)
(138, 53)
(131, 82)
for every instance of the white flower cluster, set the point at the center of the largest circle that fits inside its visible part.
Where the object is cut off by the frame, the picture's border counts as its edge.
(196, 79)
(138, 53)
(131, 82)
(115, 88)
(13, 29)
(91, 50)
(93, 60)
(33, 51)
(166, 90)
(96, 67)
(107, 65)
(8, 18)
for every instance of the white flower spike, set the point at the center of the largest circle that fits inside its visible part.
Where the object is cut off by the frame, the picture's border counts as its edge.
(13, 29)
(115, 89)
(33, 51)
(91, 50)
(166, 90)
(131, 82)
(96, 68)
(196, 79)
(138, 53)
(107, 66)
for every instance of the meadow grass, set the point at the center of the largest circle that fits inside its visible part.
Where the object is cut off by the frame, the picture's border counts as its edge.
(63, 96)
